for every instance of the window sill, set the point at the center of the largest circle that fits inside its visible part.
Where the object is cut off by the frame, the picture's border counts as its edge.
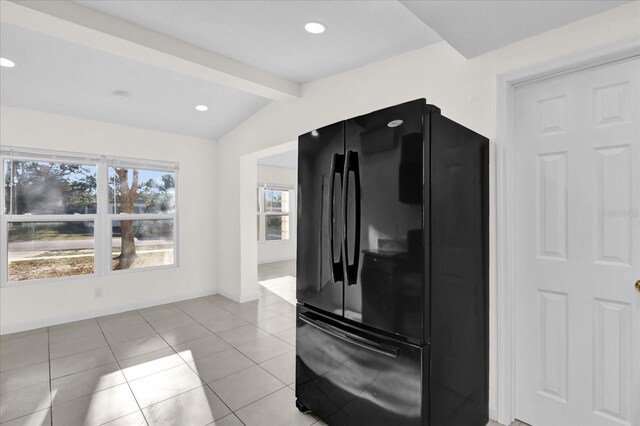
(13, 284)
(53, 280)
(150, 268)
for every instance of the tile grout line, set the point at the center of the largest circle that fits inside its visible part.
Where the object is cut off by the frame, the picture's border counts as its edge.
(122, 417)
(231, 412)
(81, 396)
(50, 407)
(100, 347)
(123, 375)
(26, 365)
(174, 351)
(263, 397)
(78, 353)
(171, 346)
(248, 323)
(48, 361)
(270, 393)
(205, 383)
(222, 331)
(186, 363)
(244, 343)
(81, 371)
(26, 415)
(255, 363)
(216, 334)
(285, 385)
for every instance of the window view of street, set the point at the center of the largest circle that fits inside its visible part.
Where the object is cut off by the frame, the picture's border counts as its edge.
(152, 243)
(52, 212)
(145, 242)
(38, 247)
(39, 250)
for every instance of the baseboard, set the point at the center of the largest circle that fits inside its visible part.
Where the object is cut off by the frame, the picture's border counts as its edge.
(493, 413)
(235, 298)
(48, 322)
(280, 259)
(249, 298)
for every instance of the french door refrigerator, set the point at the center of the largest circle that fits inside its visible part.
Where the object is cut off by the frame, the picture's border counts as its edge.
(392, 270)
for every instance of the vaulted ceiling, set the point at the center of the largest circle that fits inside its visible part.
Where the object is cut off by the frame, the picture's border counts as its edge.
(269, 35)
(233, 56)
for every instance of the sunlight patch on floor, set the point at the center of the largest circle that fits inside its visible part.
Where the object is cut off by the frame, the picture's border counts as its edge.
(284, 287)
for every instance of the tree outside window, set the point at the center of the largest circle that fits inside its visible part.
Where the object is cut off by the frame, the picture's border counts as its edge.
(150, 196)
(61, 212)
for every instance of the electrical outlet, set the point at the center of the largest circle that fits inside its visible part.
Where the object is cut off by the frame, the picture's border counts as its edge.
(98, 292)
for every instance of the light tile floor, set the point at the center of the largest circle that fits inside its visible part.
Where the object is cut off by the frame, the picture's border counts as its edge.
(279, 278)
(205, 361)
(267, 271)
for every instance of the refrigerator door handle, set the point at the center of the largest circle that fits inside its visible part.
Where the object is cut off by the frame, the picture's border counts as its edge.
(337, 269)
(362, 342)
(351, 165)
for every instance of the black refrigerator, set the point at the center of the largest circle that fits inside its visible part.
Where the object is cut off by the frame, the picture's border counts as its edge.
(392, 270)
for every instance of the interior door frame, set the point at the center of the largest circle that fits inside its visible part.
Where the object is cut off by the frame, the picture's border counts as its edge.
(248, 169)
(505, 200)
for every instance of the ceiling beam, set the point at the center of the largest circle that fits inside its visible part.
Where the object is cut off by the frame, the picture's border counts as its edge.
(84, 26)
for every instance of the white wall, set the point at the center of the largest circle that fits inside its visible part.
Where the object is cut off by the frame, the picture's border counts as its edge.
(464, 89)
(280, 175)
(29, 306)
(273, 251)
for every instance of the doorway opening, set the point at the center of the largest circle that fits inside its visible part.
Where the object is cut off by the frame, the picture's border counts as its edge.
(277, 177)
(261, 246)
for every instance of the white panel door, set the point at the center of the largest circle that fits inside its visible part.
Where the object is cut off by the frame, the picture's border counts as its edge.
(577, 248)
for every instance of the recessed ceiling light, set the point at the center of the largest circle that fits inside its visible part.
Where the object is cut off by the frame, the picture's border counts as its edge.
(202, 108)
(315, 27)
(7, 63)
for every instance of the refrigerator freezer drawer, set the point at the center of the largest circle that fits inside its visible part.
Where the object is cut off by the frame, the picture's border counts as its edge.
(348, 377)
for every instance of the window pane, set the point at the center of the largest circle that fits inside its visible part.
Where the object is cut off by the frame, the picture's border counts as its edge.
(276, 201)
(141, 191)
(142, 243)
(41, 187)
(49, 249)
(277, 227)
(258, 227)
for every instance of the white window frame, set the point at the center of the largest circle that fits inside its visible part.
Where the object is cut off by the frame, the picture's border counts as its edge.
(111, 217)
(102, 219)
(262, 214)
